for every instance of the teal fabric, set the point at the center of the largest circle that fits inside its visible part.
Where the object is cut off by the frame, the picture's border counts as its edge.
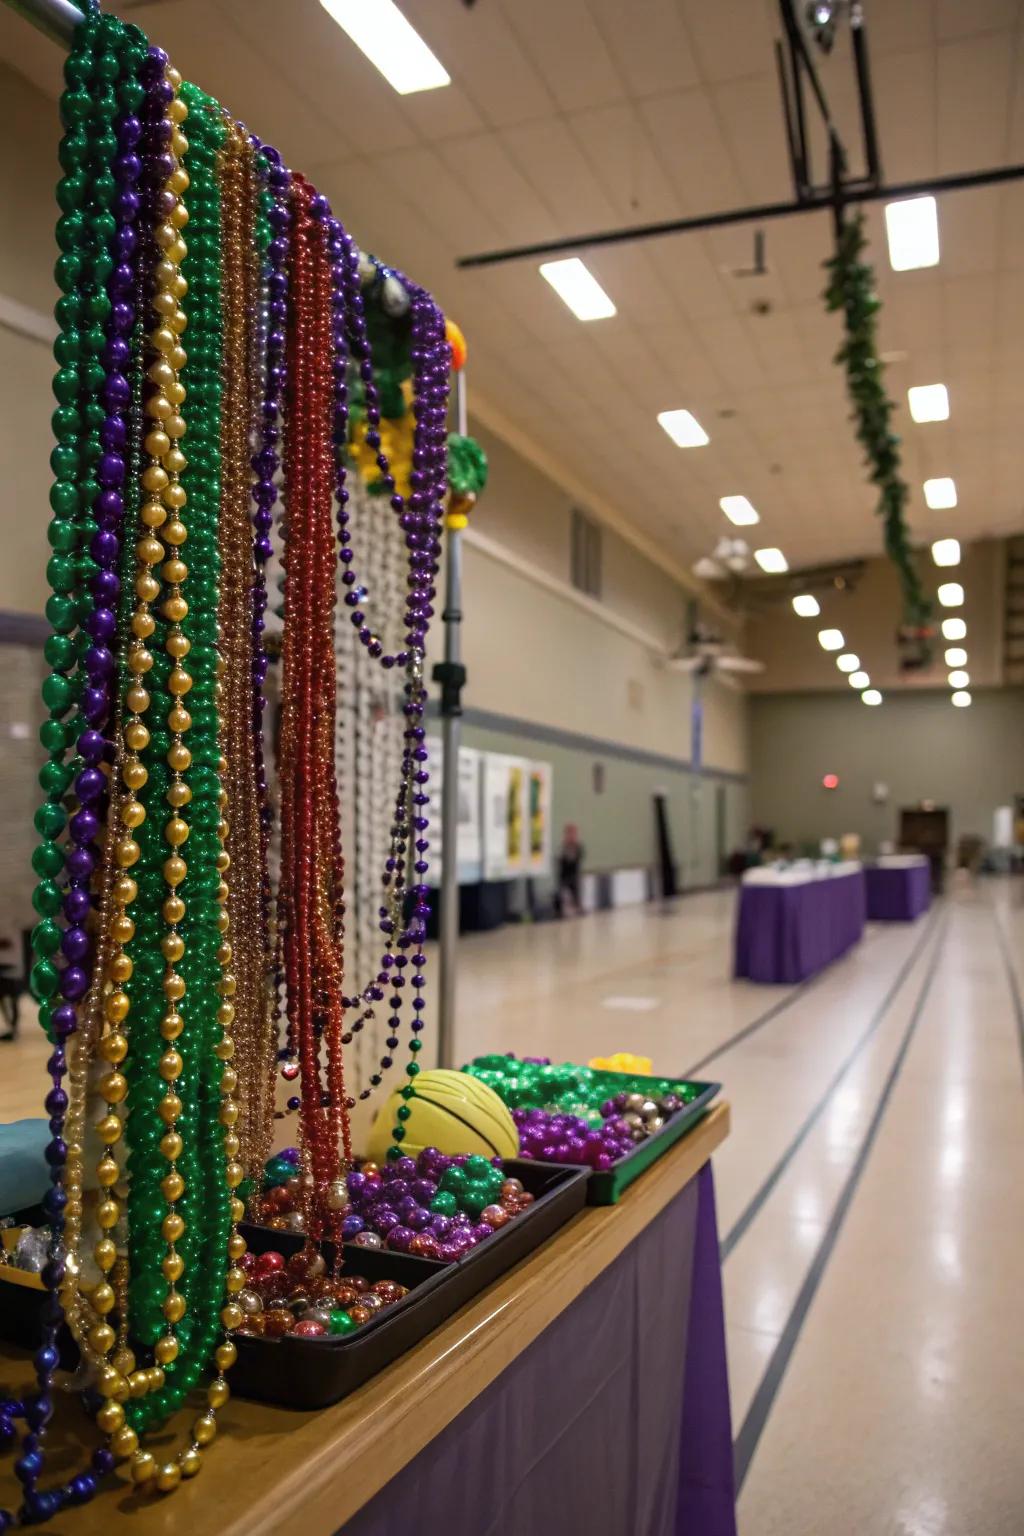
(24, 1177)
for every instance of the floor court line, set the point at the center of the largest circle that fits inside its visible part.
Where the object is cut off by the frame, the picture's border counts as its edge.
(757, 1201)
(765, 1018)
(748, 1438)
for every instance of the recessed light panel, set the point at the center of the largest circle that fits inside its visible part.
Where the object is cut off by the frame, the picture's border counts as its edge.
(392, 44)
(912, 229)
(806, 606)
(940, 494)
(578, 288)
(858, 680)
(739, 511)
(773, 561)
(951, 594)
(928, 402)
(954, 629)
(831, 639)
(959, 678)
(946, 551)
(960, 699)
(848, 662)
(871, 696)
(683, 428)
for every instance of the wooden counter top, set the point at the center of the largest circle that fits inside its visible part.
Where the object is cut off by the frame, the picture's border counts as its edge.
(277, 1472)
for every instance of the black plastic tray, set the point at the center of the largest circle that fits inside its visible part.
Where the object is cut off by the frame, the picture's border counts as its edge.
(21, 1306)
(311, 1373)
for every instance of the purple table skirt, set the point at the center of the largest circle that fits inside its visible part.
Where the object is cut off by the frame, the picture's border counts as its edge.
(785, 933)
(898, 895)
(614, 1422)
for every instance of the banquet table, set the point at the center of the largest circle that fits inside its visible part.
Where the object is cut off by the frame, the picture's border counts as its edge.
(792, 923)
(899, 888)
(584, 1392)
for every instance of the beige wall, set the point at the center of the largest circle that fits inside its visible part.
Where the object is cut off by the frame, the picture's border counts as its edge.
(869, 616)
(970, 760)
(28, 175)
(536, 654)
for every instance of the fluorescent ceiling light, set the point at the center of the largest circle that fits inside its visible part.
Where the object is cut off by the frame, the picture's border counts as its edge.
(961, 700)
(959, 678)
(858, 680)
(954, 629)
(577, 287)
(946, 551)
(928, 402)
(848, 662)
(806, 606)
(392, 45)
(871, 696)
(831, 639)
(739, 511)
(771, 560)
(683, 428)
(951, 594)
(956, 656)
(912, 229)
(940, 494)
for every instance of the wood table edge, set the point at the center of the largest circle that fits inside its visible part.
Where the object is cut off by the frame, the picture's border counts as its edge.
(431, 1385)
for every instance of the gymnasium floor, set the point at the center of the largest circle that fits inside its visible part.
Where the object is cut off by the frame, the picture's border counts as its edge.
(870, 1198)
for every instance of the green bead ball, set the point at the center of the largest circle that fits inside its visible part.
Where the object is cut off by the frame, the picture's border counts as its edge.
(46, 937)
(47, 859)
(46, 898)
(341, 1323)
(44, 979)
(50, 819)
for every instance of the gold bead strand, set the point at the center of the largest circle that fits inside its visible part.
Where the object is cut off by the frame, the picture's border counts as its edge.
(204, 1428)
(159, 482)
(168, 461)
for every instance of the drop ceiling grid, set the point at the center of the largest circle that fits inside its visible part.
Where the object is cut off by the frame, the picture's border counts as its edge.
(570, 114)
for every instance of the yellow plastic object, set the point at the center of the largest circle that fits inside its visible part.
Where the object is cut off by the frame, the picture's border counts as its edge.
(451, 1111)
(622, 1061)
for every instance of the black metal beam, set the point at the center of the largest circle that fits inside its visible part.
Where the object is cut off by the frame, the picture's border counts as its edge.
(872, 157)
(852, 193)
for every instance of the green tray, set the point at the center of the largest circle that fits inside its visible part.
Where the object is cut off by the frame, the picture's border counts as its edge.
(609, 1185)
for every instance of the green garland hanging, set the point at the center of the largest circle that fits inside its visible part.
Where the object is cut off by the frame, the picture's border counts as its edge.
(851, 289)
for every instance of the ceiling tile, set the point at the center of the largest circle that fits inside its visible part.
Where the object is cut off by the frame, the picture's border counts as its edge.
(973, 93)
(731, 38)
(649, 42)
(567, 49)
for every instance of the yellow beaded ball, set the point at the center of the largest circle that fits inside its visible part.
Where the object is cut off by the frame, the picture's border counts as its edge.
(451, 1111)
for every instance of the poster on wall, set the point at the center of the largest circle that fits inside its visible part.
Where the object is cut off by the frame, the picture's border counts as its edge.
(470, 834)
(538, 856)
(517, 816)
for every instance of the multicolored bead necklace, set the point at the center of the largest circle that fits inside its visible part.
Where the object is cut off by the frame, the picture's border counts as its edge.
(212, 310)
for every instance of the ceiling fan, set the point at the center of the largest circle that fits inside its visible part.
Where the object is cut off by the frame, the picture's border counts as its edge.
(704, 654)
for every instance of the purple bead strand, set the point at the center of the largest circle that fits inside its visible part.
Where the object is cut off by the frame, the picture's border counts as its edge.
(95, 743)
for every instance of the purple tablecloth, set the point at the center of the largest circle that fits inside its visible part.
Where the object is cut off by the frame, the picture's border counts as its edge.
(898, 895)
(614, 1422)
(787, 932)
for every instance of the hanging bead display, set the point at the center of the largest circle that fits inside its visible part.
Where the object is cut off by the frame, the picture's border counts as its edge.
(222, 345)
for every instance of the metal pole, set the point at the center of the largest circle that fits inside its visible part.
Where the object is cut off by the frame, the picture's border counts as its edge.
(859, 192)
(57, 18)
(451, 739)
